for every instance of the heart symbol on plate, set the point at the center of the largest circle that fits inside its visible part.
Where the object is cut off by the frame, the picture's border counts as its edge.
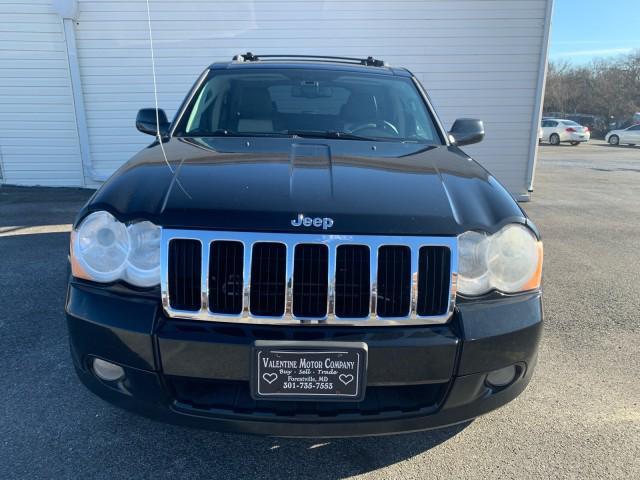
(346, 379)
(270, 377)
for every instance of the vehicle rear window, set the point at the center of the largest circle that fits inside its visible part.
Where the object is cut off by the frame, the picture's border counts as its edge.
(569, 122)
(277, 101)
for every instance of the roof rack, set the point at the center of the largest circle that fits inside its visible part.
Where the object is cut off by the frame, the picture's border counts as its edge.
(369, 61)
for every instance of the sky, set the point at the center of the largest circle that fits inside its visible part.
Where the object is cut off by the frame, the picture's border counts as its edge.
(586, 29)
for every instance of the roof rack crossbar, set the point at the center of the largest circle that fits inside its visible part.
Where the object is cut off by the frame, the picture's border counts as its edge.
(369, 61)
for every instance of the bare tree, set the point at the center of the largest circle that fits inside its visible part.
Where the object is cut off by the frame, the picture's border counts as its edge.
(606, 87)
(557, 90)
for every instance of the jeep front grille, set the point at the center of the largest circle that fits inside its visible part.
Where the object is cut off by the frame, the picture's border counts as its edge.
(184, 271)
(268, 269)
(226, 261)
(353, 291)
(307, 278)
(394, 281)
(310, 280)
(433, 264)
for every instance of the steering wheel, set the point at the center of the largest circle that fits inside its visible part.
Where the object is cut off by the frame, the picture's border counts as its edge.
(386, 126)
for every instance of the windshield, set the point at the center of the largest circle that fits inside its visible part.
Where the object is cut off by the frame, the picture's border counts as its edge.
(309, 102)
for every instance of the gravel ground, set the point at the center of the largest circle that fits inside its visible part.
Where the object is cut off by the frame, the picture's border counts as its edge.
(579, 418)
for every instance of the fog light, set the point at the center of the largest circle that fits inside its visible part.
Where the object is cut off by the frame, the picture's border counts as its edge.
(107, 371)
(502, 377)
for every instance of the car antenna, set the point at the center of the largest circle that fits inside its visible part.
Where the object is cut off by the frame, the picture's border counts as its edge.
(155, 88)
(155, 98)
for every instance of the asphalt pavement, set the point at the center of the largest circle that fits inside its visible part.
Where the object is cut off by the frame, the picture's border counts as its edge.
(579, 418)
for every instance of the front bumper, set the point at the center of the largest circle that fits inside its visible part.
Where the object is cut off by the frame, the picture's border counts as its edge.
(197, 373)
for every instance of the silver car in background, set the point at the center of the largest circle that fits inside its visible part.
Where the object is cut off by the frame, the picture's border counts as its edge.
(624, 136)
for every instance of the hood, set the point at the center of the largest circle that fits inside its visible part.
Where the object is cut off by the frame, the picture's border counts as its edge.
(265, 184)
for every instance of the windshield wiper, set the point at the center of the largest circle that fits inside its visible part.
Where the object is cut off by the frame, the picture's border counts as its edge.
(228, 133)
(331, 134)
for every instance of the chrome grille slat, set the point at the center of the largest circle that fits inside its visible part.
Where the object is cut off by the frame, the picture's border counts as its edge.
(205, 251)
(413, 302)
(331, 282)
(373, 281)
(249, 239)
(246, 275)
(288, 299)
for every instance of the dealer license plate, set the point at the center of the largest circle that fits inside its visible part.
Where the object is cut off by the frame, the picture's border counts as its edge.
(309, 370)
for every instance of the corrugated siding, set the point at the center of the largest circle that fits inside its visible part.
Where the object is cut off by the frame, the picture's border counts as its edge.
(38, 136)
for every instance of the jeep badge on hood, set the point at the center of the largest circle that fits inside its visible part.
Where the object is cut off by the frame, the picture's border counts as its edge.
(326, 222)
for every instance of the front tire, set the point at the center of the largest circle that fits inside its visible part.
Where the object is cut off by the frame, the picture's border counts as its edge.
(614, 140)
(554, 139)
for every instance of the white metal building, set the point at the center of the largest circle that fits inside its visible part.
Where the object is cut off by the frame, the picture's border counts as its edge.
(70, 88)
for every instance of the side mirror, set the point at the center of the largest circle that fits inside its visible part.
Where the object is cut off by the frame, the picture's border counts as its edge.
(466, 131)
(146, 121)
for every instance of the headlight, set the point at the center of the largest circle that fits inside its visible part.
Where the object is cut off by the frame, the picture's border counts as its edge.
(473, 274)
(509, 260)
(104, 250)
(144, 256)
(101, 247)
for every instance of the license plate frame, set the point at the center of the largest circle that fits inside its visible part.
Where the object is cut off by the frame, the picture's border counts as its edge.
(302, 381)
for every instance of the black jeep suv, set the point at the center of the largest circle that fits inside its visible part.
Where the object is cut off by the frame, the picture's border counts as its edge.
(305, 251)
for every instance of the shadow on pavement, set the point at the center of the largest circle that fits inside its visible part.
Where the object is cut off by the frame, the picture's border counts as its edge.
(562, 145)
(607, 145)
(35, 206)
(241, 456)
